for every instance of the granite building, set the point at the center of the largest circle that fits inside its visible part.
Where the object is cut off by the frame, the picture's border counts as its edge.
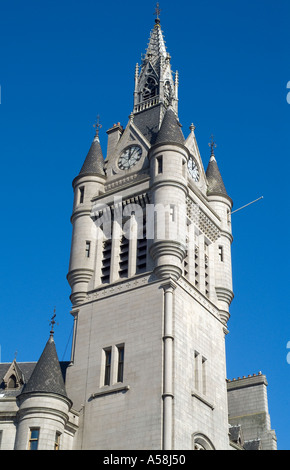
(151, 287)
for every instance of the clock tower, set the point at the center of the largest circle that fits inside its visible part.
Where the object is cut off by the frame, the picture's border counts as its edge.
(150, 277)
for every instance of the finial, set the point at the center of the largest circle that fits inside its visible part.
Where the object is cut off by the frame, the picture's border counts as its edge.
(157, 13)
(52, 323)
(212, 145)
(97, 125)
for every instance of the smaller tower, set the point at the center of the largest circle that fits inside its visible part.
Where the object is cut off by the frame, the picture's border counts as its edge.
(222, 205)
(43, 405)
(89, 183)
(168, 163)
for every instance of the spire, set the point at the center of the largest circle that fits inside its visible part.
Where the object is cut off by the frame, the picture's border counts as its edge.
(170, 130)
(47, 376)
(155, 86)
(213, 176)
(94, 162)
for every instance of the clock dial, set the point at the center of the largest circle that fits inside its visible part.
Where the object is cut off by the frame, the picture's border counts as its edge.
(193, 169)
(130, 157)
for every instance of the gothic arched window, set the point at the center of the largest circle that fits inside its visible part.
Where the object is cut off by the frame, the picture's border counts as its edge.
(12, 382)
(201, 442)
(150, 88)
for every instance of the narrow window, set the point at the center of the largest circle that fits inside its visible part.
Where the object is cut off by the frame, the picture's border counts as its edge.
(172, 212)
(33, 439)
(203, 366)
(159, 161)
(184, 168)
(88, 249)
(196, 266)
(82, 194)
(124, 257)
(108, 360)
(142, 251)
(196, 370)
(106, 262)
(121, 351)
(57, 441)
(1, 434)
(12, 382)
(206, 269)
(221, 253)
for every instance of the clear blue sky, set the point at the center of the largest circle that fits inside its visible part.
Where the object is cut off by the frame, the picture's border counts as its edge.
(64, 62)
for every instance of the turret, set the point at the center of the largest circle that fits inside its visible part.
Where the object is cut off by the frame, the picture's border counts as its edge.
(222, 205)
(43, 405)
(168, 164)
(89, 183)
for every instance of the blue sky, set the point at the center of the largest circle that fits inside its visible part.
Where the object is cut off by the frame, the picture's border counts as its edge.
(64, 62)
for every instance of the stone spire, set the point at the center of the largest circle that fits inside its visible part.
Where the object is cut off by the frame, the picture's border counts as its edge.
(155, 87)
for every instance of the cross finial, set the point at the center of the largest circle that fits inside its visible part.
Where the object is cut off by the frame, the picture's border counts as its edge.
(212, 145)
(97, 125)
(52, 322)
(157, 12)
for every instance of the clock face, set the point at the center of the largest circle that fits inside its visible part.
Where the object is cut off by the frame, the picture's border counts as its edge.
(130, 157)
(193, 169)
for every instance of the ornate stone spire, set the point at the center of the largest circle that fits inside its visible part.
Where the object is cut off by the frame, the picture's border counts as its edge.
(155, 84)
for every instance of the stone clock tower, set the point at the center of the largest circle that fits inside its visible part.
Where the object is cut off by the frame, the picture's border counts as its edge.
(150, 277)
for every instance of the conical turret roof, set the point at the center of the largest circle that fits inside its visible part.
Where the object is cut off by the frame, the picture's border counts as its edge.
(214, 179)
(94, 162)
(170, 130)
(47, 376)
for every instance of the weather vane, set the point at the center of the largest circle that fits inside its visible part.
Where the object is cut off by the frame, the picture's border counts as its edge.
(157, 11)
(212, 145)
(52, 323)
(97, 125)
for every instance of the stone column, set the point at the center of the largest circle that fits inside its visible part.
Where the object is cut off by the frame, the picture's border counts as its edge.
(168, 366)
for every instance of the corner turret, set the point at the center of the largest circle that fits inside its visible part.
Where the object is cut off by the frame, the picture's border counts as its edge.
(43, 404)
(222, 205)
(168, 163)
(89, 183)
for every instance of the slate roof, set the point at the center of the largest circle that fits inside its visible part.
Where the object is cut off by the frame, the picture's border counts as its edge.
(214, 179)
(94, 162)
(147, 122)
(47, 375)
(255, 444)
(170, 130)
(26, 369)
